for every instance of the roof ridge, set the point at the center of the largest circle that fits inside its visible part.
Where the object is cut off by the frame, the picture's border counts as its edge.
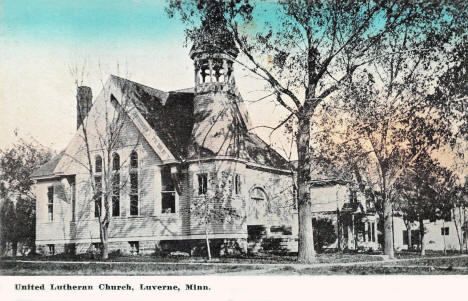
(137, 83)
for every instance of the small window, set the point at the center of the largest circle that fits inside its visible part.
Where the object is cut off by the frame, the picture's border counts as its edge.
(50, 202)
(405, 237)
(51, 249)
(97, 247)
(237, 184)
(202, 183)
(98, 164)
(134, 160)
(98, 196)
(116, 162)
(444, 231)
(134, 247)
(168, 194)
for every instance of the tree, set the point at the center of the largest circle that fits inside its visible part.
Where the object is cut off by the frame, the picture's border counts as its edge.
(419, 196)
(17, 202)
(451, 194)
(305, 51)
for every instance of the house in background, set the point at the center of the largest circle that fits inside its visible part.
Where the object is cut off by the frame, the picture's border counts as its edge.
(354, 220)
(440, 235)
(175, 148)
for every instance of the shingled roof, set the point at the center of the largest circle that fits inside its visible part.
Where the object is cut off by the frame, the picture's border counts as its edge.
(48, 168)
(171, 116)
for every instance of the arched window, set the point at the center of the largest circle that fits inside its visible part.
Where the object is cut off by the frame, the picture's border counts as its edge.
(259, 201)
(115, 185)
(98, 164)
(134, 183)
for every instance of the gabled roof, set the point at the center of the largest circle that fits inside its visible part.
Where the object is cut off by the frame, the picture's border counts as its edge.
(171, 116)
(48, 168)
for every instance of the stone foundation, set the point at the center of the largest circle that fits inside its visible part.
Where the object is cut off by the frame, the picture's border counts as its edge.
(193, 247)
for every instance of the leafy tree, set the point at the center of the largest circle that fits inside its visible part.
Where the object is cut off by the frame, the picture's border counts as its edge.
(7, 224)
(419, 198)
(305, 51)
(18, 204)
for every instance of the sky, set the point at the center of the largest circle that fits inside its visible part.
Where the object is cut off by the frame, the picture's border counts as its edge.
(40, 41)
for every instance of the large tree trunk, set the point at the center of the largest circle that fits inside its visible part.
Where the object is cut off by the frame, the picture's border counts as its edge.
(421, 234)
(388, 228)
(306, 251)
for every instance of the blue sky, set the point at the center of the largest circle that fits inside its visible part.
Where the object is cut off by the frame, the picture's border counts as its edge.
(41, 39)
(87, 21)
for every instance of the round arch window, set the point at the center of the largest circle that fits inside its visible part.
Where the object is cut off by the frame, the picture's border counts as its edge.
(259, 202)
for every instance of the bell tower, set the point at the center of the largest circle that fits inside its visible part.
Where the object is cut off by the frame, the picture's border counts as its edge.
(213, 56)
(219, 125)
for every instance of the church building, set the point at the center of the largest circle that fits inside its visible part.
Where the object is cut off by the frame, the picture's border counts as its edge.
(165, 170)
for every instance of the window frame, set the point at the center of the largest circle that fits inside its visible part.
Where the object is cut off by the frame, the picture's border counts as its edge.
(237, 184)
(134, 193)
(115, 185)
(51, 249)
(50, 203)
(445, 231)
(97, 159)
(257, 199)
(164, 191)
(202, 179)
(134, 247)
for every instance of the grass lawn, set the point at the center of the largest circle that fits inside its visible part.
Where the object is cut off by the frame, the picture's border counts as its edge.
(65, 269)
(271, 265)
(257, 259)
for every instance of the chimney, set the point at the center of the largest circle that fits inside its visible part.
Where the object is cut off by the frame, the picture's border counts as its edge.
(84, 100)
